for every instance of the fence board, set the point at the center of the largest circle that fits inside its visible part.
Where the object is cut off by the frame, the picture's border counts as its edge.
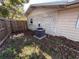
(4, 29)
(9, 26)
(19, 26)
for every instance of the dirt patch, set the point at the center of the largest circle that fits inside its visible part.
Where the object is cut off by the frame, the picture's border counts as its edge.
(57, 47)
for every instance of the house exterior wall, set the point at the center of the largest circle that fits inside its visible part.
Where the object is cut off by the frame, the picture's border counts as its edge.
(56, 22)
(44, 17)
(66, 23)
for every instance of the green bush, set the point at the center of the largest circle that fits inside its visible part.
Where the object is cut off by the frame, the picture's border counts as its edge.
(8, 53)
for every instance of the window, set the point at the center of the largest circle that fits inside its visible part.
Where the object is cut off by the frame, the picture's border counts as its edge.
(77, 25)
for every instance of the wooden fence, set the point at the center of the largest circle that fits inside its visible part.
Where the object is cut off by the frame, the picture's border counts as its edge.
(10, 26)
(18, 26)
(4, 29)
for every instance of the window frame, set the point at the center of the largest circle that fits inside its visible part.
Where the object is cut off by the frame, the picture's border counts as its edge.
(77, 22)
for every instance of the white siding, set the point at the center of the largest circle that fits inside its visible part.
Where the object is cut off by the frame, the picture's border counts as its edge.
(60, 23)
(44, 17)
(66, 23)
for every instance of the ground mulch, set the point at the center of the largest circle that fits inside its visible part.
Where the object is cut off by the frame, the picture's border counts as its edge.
(59, 47)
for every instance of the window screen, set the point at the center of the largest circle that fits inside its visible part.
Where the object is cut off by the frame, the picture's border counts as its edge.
(77, 25)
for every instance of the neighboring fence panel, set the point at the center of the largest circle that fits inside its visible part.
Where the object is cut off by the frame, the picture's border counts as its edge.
(9, 26)
(19, 26)
(4, 29)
